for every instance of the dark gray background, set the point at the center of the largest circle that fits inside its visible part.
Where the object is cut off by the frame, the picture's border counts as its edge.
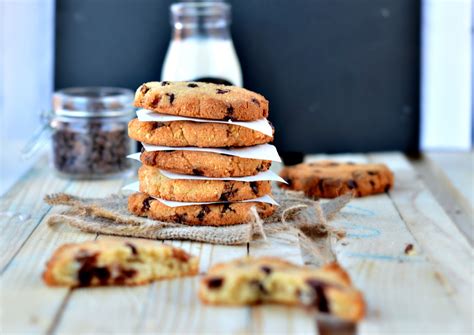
(340, 75)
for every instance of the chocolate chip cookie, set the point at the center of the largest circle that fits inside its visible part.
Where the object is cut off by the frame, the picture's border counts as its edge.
(142, 204)
(156, 184)
(195, 134)
(250, 281)
(117, 262)
(328, 179)
(208, 164)
(202, 100)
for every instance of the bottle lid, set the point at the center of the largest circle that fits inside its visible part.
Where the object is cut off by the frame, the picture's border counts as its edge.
(93, 102)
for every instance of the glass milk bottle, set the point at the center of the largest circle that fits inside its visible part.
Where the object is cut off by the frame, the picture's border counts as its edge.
(201, 47)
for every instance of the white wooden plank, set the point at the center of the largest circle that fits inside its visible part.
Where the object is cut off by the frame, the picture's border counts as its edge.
(459, 168)
(174, 306)
(447, 192)
(271, 319)
(437, 236)
(119, 308)
(27, 304)
(398, 288)
(22, 207)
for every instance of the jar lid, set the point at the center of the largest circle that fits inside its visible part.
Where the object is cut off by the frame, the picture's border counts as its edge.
(93, 102)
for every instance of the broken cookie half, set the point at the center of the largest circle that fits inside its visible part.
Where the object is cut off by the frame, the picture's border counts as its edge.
(249, 281)
(117, 262)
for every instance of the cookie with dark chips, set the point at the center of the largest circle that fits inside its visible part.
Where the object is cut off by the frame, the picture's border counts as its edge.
(117, 262)
(222, 214)
(202, 100)
(153, 182)
(329, 179)
(201, 163)
(249, 281)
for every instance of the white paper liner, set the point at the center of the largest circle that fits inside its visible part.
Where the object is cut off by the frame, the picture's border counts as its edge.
(267, 175)
(136, 188)
(266, 199)
(262, 125)
(261, 151)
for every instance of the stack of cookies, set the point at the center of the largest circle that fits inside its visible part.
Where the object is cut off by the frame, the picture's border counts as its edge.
(205, 158)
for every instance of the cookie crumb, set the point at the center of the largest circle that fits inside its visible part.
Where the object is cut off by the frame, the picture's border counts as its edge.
(409, 249)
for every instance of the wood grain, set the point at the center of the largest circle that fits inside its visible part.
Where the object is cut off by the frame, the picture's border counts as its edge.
(427, 289)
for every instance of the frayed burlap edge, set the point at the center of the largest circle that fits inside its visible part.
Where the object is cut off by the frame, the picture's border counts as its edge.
(297, 214)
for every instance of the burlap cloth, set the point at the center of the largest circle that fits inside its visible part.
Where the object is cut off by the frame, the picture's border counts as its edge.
(110, 216)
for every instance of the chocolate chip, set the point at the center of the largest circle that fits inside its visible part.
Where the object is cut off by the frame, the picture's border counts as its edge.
(181, 255)
(228, 192)
(144, 89)
(215, 282)
(221, 91)
(320, 300)
(132, 247)
(372, 173)
(156, 125)
(226, 207)
(155, 101)
(372, 183)
(255, 101)
(408, 249)
(230, 112)
(146, 204)
(198, 172)
(102, 273)
(387, 188)
(192, 85)
(266, 269)
(164, 83)
(180, 218)
(351, 184)
(258, 284)
(333, 164)
(86, 270)
(124, 275)
(85, 276)
(128, 273)
(204, 211)
(171, 96)
(321, 185)
(254, 187)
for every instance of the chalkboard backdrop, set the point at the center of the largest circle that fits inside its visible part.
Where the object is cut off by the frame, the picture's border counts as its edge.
(340, 75)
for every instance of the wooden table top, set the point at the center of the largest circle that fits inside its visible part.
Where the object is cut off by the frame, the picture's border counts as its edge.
(429, 291)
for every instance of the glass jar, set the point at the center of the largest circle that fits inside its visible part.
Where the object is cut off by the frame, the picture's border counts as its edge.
(89, 132)
(201, 48)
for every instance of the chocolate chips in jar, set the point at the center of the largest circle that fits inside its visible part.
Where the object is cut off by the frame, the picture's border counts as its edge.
(91, 151)
(92, 143)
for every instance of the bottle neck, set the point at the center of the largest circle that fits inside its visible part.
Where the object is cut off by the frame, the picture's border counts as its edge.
(201, 32)
(208, 20)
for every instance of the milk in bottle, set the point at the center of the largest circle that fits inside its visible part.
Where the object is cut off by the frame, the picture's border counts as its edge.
(201, 47)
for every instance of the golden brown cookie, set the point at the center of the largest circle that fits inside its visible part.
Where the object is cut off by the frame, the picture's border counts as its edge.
(250, 281)
(142, 204)
(202, 100)
(156, 184)
(195, 134)
(328, 179)
(117, 262)
(201, 163)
